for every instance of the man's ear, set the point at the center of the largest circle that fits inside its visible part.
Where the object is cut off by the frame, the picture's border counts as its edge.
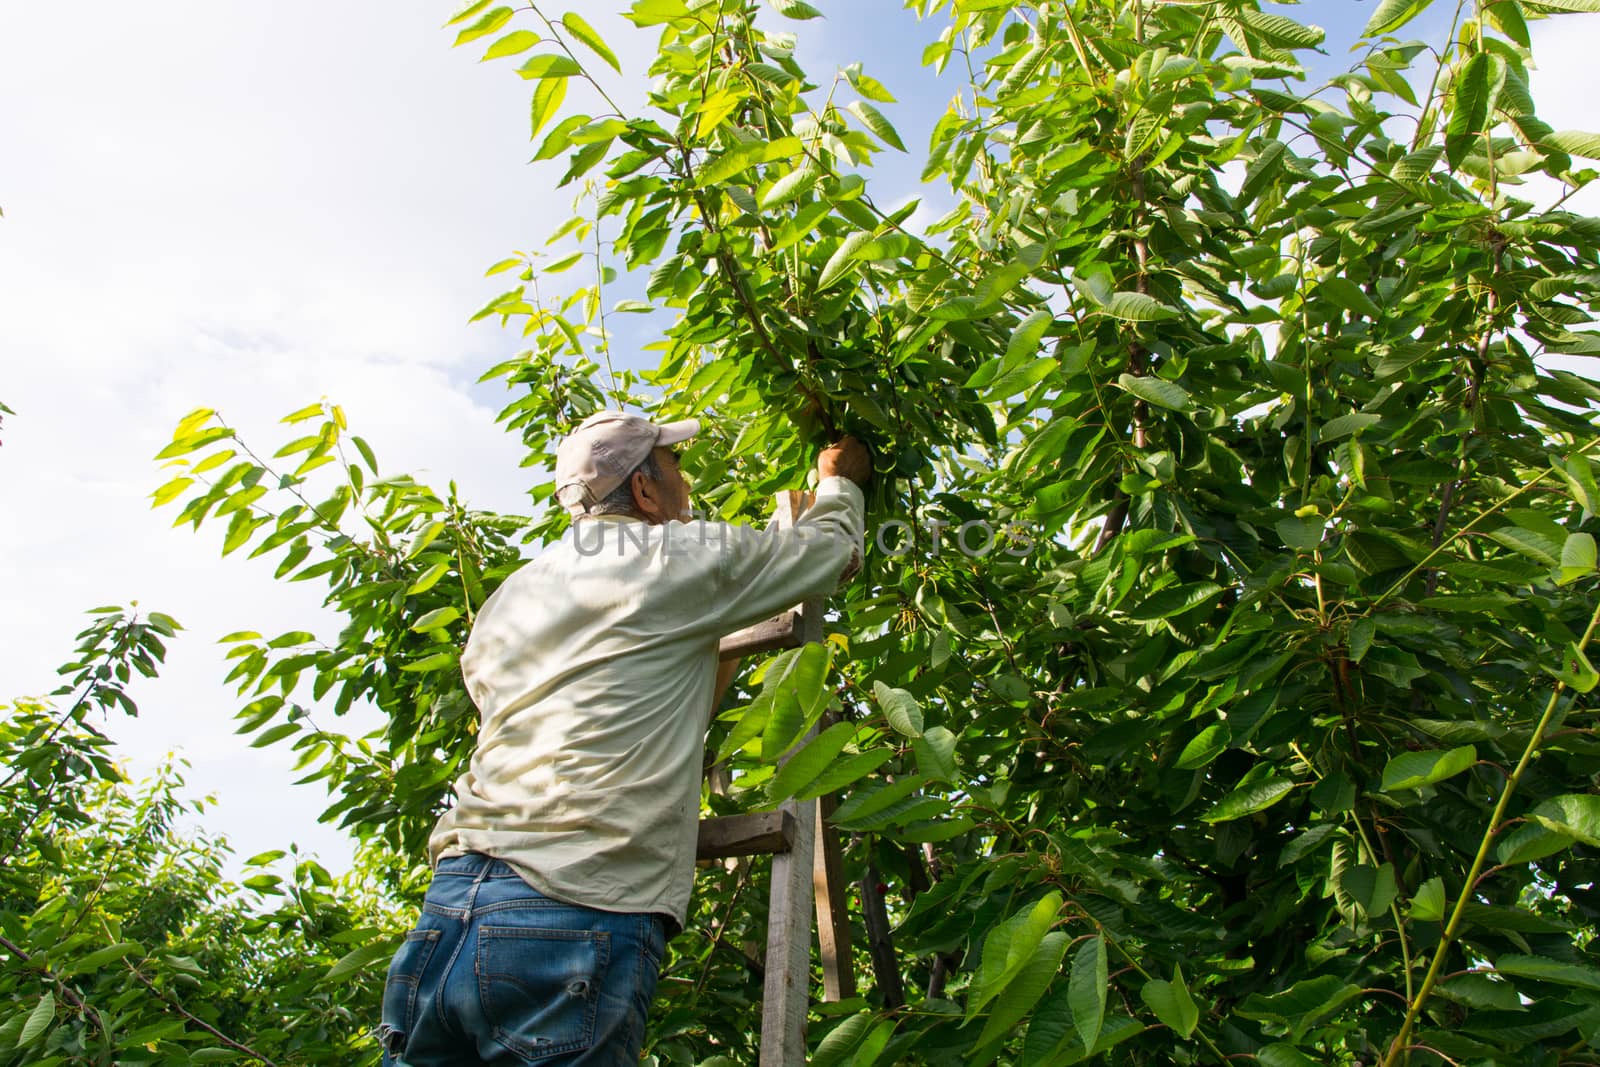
(646, 496)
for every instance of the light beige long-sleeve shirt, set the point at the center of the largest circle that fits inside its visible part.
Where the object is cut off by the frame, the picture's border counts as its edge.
(593, 667)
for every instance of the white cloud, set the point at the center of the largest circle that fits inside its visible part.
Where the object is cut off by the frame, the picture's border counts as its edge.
(245, 207)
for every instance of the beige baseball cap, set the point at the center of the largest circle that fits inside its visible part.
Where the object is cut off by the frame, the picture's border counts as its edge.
(605, 448)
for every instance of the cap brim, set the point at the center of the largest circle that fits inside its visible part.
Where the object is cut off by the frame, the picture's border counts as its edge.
(675, 432)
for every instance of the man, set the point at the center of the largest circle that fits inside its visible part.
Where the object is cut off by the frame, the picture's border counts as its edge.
(568, 857)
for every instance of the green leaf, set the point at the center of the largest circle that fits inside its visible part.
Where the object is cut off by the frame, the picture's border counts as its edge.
(1547, 970)
(796, 699)
(873, 120)
(795, 9)
(366, 453)
(1413, 770)
(182, 446)
(1249, 799)
(1172, 1003)
(1576, 815)
(1469, 107)
(845, 771)
(789, 187)
(1362, 632)
(1577, 558)
(842, 1040)
(275, 734)
(1050, 1031)
(1023, 991)
(591, 40)
(1009, 946)
(428, 579)
(1527, 843)
(1024, 343)
(1302, 1003)
(1427, 903)
(1157, 391)
(1174, 601)
(1279, 30)
(1346, 294)
(1573, 143)
(1579, 476)
(868, 86)
(1392, 14)
(1373, 889)
(547, 99)
(39, 1019)
(465, 10)
(436, 619)
(1530, 543)
(486, 24)
(1302, 534)
(240, 527)
(870, 800)
(843, 259)
(716, 108)
(170, 491)
(549, 65)
(1206, 746)
(359, 959)
(1086, 989)
(1507, 16)
(900, 708)
(720, 168)
(1345, 425)
(1416, 166)
(935, 751)
(1137, 307)
(512, 43)
(809, 762)
(1575, 670)
(1282, 1054)
(1267, 163)
(1019, 380)
(437, 661)
(102, 956)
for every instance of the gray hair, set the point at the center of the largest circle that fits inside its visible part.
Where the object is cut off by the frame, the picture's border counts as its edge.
(620, 500)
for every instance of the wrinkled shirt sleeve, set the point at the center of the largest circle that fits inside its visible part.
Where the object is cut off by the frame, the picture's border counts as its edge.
(763, 572)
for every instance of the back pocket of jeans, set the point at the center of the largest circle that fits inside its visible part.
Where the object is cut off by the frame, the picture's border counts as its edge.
(540, 989)
(400, 987)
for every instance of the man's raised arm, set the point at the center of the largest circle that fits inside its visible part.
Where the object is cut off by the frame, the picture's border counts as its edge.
(763, 572)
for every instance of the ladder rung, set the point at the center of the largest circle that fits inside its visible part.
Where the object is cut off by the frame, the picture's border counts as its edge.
(778, 632)
(762, 833)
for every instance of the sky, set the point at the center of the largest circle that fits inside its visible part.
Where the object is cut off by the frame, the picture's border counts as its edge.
(250, 207)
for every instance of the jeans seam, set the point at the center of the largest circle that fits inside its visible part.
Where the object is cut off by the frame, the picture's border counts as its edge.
(466, 929)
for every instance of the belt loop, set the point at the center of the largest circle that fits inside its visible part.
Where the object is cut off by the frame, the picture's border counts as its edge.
(477, 883)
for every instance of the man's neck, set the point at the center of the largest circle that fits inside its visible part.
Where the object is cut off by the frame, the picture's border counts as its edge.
(615, 516)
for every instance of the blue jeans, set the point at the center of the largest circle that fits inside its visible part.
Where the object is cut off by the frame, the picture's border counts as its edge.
(495, 973)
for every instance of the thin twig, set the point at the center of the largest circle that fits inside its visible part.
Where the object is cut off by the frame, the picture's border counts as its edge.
(1490, 831)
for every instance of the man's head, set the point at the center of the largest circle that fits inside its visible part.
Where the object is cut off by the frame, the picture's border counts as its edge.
(616, 463)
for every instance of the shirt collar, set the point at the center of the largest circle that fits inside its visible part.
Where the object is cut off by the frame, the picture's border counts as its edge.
(611, 516)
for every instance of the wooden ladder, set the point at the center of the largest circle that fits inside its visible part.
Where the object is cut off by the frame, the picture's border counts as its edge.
(807, 863)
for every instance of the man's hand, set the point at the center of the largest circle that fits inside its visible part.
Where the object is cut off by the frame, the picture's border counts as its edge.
(847, 458)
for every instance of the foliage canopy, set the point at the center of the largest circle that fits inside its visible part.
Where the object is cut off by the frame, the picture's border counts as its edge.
(1270, 741)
